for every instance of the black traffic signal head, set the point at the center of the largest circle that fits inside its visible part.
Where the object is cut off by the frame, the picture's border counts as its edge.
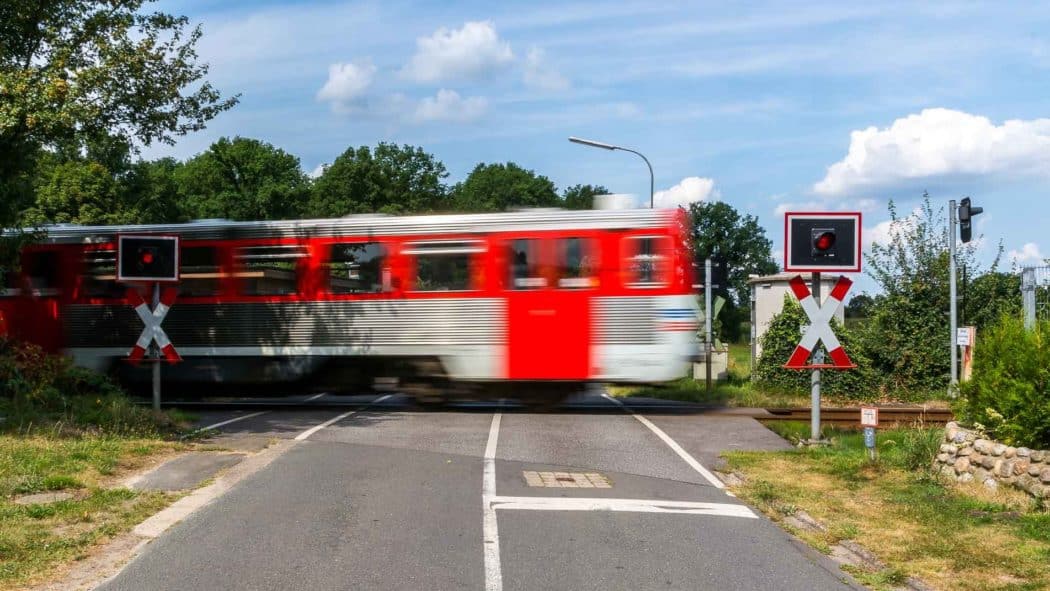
(823, 242)
(966, 213)
(148, 258)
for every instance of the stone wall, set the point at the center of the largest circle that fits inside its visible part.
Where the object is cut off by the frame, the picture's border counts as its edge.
(965, 456)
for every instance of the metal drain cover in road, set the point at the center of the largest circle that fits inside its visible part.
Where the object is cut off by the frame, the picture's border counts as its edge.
(566, 479)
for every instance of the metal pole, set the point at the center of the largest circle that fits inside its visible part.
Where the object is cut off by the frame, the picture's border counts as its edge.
(818, 358)
(952, 304)
(652, 179)
(707, 320)
(1028, 296)
(155, 355)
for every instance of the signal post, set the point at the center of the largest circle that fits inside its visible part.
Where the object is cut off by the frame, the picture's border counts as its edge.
(815, 243)
(150, 260)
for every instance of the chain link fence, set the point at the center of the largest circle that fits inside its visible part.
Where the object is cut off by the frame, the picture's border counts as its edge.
(1035, 294)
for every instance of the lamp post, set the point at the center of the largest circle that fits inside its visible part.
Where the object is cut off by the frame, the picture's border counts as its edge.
(604, 146)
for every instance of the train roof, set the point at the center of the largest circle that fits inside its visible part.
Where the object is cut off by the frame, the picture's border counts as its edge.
(380, 225)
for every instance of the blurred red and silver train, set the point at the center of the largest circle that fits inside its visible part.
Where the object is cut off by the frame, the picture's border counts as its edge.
(503, 304)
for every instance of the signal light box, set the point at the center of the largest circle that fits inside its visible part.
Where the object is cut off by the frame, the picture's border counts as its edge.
(147, 258)
(822, 242)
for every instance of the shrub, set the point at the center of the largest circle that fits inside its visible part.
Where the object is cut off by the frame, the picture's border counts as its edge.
(1009, 394)
(38, 390)
(779, 342)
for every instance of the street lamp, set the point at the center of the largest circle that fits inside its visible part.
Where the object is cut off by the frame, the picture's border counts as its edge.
(604, 146)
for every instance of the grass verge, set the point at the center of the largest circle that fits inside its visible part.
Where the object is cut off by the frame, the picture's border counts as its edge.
(950, 536)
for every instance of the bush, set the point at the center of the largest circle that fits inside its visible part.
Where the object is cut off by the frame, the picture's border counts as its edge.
(779, 342)
(38, 390)
(1009, 395)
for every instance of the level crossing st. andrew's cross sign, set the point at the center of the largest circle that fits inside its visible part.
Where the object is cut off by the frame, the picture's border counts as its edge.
(818, 242)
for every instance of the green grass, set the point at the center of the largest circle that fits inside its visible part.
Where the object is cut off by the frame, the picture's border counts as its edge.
(34, 539)
(951, 536)
(37, 538)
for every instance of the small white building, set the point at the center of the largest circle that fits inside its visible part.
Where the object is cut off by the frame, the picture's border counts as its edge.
(767, 299)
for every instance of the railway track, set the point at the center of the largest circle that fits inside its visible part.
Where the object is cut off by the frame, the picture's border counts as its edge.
(889, 415)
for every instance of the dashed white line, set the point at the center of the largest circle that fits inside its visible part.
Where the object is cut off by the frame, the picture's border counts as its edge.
(695, 465)
(315, 397)
(625, 505)
(489, 527)
(302, 436)
(233, 420)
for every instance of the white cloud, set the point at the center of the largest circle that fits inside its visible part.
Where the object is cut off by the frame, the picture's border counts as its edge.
(539, 74)
(690, 190)
(347, 82)
(1029, 253)
(316, 172)
(470, 52)
(447, 105)
(938, 143)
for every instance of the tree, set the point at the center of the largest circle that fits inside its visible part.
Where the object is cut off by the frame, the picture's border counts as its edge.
(860, 306)
(718, 230)
(389, 179)
(498, 187)
(989, 297)
(582, 196)
(739, 244)
(77, 192)
(243, 179)
(907, 331)
(84, 69)
(150, 190)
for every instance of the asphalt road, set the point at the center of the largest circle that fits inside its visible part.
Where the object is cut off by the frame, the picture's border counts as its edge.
(387, 497)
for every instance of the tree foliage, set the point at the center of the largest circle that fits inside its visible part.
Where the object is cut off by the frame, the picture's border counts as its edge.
(718, 230)
(498, 187)
(74, 69)
(388, 179)
(243, 179)
(778, 343)
(908, 330)
(582, 196)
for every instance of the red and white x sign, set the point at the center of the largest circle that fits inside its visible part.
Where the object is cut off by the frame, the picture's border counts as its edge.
(152, 331)
(819, 329)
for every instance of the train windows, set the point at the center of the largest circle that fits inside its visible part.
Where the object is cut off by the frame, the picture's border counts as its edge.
(270, 270)
(356, 268)
(41, 271)
(443, 265)
(100, 275)
(525, 272)
(576, 264)
(199, 271)
(648, 260)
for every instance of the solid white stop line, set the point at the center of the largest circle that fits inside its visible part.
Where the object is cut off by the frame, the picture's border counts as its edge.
(623, 505)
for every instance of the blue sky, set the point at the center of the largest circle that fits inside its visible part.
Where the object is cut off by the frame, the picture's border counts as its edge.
(769, 106)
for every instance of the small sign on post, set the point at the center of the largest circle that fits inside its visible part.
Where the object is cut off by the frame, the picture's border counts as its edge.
(869, 419)
(962, 336)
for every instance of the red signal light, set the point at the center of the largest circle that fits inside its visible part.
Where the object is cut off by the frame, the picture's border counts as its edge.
(824, 241)
(147, 257)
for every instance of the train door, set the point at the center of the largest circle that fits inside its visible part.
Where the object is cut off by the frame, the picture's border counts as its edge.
(550, 282)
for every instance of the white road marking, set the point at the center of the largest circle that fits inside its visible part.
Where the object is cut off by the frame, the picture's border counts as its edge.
(315, 397)
(625, 505)
(695, 465)
(302, 436)
(489, 527)
(233, 420)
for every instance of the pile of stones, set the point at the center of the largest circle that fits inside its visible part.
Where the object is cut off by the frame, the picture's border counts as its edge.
(966, 456)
